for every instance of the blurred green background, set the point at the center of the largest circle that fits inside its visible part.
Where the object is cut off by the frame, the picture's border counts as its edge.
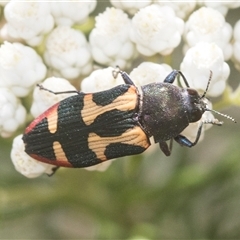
(193, 194)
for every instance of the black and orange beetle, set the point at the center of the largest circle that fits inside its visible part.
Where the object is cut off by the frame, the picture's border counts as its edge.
(87, 129)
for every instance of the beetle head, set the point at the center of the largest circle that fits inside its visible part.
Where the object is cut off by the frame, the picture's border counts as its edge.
(197, 105)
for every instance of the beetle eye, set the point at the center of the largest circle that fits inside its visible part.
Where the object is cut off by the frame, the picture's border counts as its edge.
(192, 92)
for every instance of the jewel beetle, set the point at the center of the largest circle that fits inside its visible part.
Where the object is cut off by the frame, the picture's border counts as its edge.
(89, 128)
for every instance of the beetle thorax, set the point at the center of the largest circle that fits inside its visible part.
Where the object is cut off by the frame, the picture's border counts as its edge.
(164, 111)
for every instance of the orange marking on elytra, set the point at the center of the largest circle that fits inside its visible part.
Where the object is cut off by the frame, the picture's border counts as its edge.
(134, 136)
(59, 153)
(125, 102)
(50, 112)
(52, 119)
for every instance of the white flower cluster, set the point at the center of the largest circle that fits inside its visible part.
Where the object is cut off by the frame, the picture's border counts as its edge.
(148, 72)
(208, 25)
(28, 20)
(20, 69)
(12, 113)
(76, 12)
(198, 62)
(149, 34)
(68, 53)
(99, 80)
(181, 8)
(156, 29)
(221, 6)
(109, 40)
(130, 6)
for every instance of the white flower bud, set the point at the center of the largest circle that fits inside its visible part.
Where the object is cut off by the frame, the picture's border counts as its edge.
(197, 64)
(12, 113)
(208, 25)
(182, 8)
(130, 6)
(221, 6)
(72, 12)
(42, 99)
(156, 29)
(109, 40)
(26, 165)
(28, 20)
(5, 36)
(148, 72)
(20, 68)
(68, 53)
(100, 79)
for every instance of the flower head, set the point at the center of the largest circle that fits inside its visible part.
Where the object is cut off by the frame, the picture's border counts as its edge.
(221, 6)
(148, 72)
(28, 20)
(20, 68)
(71, 12)
(68, 53)
(182, 8)
(100, 79)
(156, 29)
(12, 113)
(130, 6)
(109, 40)
(197, 64)
(209, 25)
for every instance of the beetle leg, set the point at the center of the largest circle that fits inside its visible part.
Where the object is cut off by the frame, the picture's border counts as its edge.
(126, 78)
(172, 76)
(124, 75)
(41, 87)
(186, 142)
(165, 148)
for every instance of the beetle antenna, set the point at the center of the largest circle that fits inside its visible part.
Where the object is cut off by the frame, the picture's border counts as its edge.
(221, 114)
(211, 110)
(209, 80)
